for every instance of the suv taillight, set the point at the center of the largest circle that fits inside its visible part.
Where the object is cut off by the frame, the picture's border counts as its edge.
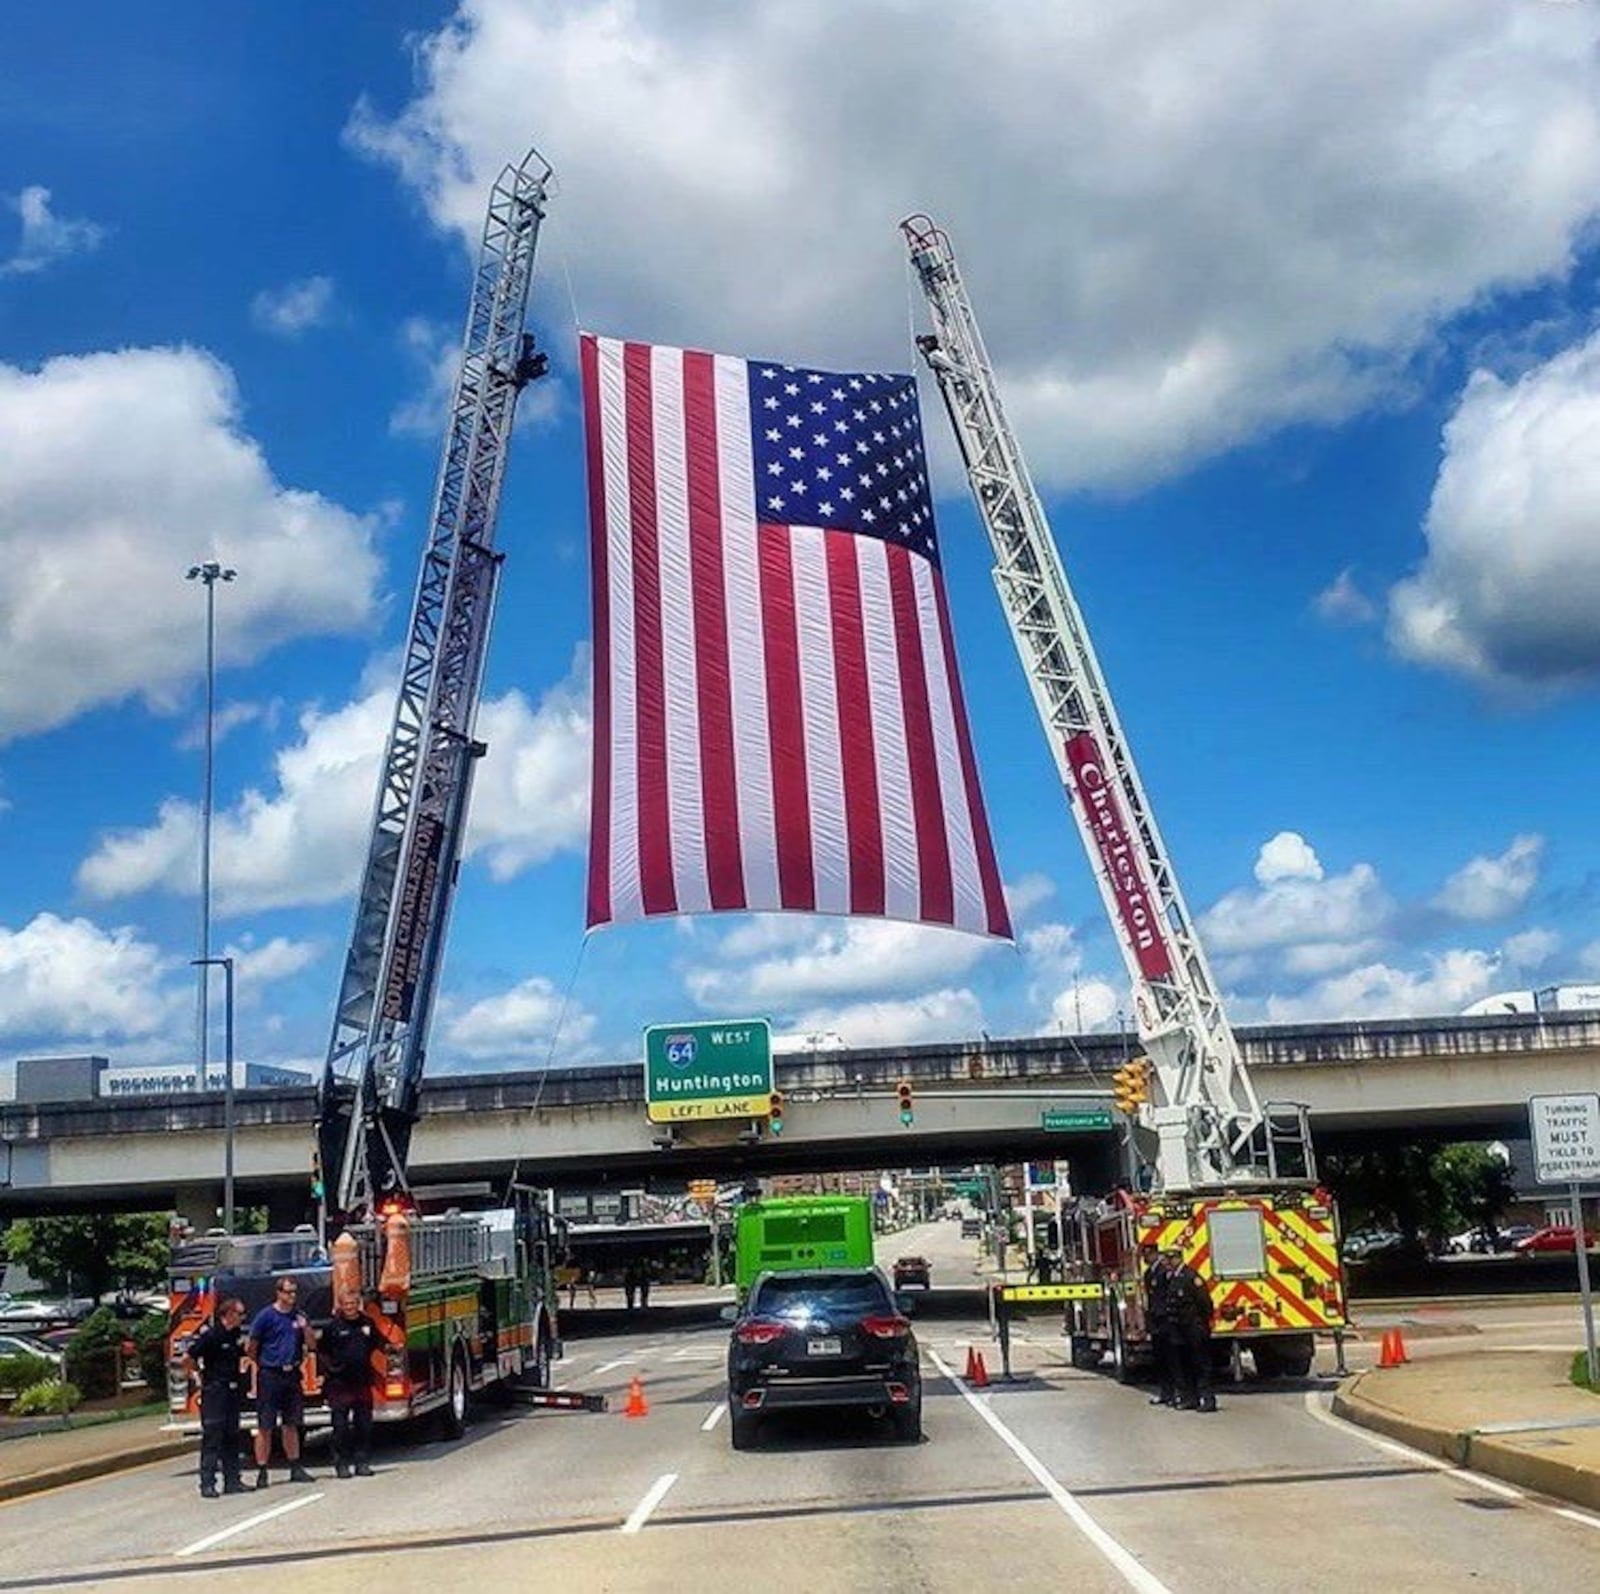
(758, 1333)
(881, 1327)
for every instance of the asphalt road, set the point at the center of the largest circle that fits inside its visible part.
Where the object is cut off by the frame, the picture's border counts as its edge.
(1062, 1477)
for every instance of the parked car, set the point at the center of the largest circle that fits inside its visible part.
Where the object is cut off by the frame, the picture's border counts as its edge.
(972, 1228)
(823, 1338)
(1555, 1237)
(27, 1345)
(1513, 1232)
(1372, 1242)
(913, 1272)
(29, 1316)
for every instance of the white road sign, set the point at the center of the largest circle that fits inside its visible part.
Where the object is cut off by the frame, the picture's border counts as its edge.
(1566, 1138)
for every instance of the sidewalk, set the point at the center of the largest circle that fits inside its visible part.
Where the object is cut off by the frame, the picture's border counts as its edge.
(68, 1455)
(1512, 1414)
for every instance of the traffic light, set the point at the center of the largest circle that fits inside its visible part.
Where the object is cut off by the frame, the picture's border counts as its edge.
(775, 1112)
(903, 1092)
(1133, 1085)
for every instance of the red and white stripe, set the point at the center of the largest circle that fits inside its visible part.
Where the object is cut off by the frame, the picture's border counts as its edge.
(778, 722)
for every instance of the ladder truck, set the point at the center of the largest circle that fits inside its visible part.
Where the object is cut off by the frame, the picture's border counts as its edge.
(462, 1301)
(1234, 1181)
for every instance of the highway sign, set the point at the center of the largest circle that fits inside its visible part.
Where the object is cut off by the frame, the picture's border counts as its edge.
(1566, 1138)
(1078, 1118)
(708, 1070)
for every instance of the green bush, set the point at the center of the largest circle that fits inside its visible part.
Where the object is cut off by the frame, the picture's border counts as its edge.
(93, 1358)
(23, 1372)
(150, 1335)
(53, 1397)
(1580, 1372)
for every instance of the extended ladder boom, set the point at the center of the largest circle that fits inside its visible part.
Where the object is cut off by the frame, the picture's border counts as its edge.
(1208, 1118)
(375, 1058)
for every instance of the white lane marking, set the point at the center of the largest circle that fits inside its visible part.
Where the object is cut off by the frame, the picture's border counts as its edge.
(716, 1415)
(1313, 1401)
(1133, 1572)
(609, 1366)
(641, 1512)
(248, 1523)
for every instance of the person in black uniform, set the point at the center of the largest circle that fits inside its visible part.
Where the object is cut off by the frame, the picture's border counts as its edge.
(346, 1346)
(213, 1357)
(1189, 1305)
(1158, 1314)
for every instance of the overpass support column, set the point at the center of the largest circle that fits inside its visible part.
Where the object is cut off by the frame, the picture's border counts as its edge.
(287, 1207)
(200, 1205)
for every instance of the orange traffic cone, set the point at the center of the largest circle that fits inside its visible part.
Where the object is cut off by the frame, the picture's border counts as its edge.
(979, 1376)
(637, 1405)
(1391, 1350)
(1400, 1356)
(972, 1365)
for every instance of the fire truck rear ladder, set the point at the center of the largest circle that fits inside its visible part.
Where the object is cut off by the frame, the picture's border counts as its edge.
(369, 1093)
(1211, 1130)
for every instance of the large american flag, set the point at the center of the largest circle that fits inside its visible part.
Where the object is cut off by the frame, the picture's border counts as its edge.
(778, 721)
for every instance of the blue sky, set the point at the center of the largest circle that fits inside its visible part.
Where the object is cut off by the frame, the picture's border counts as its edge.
(1295, 318)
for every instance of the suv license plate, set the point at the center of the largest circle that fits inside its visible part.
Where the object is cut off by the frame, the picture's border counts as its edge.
(823, 1347)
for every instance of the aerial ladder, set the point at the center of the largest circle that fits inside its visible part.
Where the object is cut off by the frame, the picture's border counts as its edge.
(1234, 1181)
(368, 1099)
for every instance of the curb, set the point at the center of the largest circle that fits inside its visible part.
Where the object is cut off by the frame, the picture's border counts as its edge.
(92, 1467)
(1484, 1453)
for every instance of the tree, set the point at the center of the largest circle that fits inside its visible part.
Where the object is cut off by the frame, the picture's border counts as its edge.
(1421, 1191)
(92, 1254)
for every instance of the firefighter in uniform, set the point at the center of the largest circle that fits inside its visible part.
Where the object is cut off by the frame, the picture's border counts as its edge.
(213, 1356)
(346, 1346)
(1188, 1304)
(1158, 1314)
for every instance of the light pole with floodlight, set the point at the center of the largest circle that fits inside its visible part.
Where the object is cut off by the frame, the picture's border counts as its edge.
(210, 573)
(226, 965)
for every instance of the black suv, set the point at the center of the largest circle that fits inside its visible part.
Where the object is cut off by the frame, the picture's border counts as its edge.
(828, 1337)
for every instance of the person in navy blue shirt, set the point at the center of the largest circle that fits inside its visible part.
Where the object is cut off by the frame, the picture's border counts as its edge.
(280, 1339)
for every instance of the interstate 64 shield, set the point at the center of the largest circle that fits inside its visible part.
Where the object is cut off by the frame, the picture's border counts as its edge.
(699, 1071)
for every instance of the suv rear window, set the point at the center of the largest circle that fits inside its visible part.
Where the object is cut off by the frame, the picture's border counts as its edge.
(840, 1292)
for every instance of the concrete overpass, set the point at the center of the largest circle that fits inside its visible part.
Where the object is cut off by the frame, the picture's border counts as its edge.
(975, 1101)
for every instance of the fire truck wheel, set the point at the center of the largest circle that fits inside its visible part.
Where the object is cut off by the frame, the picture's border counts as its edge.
(1287, 1358)
(541, 1362)
(453, 1415)
(1086, 1354)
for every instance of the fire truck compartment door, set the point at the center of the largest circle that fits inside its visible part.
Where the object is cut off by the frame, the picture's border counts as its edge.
(1238, 1243)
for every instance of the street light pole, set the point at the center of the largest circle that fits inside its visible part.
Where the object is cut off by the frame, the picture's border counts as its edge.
(210, 573)
(226, 965)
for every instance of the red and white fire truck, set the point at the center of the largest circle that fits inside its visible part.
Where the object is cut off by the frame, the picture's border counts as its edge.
(1233, 1182)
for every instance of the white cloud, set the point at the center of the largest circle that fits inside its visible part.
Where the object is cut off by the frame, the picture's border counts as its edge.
(46, 237)
(1344, 603)
(517, 1027)
(1589, 958)
(1288, 856)
(1298, 910)
(1087, 1006)
(1024, 895)
(1510, 585)
(1491, 888)
(840, 958)
(67, 980)
(294, 308)
(1532, 949)
(119, 471)
(1253, 215)
(305, 841)
(1448, 983)
(277, 959)
(942, 1015)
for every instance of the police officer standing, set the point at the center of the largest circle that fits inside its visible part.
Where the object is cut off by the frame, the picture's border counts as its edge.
(213, 1356)
(1189, 1307)
(346, 1346)
(1158, 1314)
